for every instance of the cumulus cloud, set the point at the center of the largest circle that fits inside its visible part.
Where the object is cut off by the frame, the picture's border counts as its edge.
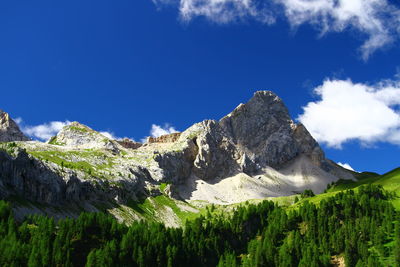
(43, 131)
(110, 135)
(346, 166)
(157, 130)
(18, 120)
(349, 111)
(378, 20)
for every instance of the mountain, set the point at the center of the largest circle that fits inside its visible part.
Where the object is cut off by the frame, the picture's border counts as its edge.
(80, 136)
(254, 152)
(389, 181)
(9, 130)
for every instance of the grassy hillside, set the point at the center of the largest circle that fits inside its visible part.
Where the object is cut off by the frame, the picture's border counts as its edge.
(389, 181)
(151, 206)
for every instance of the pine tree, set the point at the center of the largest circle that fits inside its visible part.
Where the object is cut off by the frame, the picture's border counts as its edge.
(34, 258)
(397, 243)
(91, 259)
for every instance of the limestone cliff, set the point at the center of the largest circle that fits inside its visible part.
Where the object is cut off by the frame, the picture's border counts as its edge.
(81, 136)
(256, 151)
(9, 130)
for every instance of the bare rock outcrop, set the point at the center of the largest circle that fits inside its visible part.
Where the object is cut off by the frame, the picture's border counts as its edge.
(166, 138)
(9, 130)
(81, 136)
(255, 151)
(177, 164)
(256, 135)
(128, 143)
(264, 131)
(217, 155)
(42, 181)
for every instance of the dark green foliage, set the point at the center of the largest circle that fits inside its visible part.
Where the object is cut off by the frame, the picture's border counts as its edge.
(357, 226)
(397, 243)
(307, 193)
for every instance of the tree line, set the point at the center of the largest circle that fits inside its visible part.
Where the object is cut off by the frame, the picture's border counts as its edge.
(361, 227)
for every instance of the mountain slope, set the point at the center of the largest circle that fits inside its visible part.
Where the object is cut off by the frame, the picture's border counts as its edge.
(256, 151)
(390, 181)
(9, 130)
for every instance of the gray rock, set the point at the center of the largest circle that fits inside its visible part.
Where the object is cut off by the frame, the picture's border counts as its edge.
(45, 182)
(9, 130)
(255, 135)
(257, 138)
(177, 165)
(262, 129)
(81, 136)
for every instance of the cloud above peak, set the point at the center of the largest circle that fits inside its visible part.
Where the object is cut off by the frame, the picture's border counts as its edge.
(346, 166)
(349, 111)
(47, 130)
(43, 131)
(377, 20)
(157, 130)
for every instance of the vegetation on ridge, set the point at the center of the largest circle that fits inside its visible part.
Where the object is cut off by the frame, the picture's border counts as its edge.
(353, 221)
(361, 227)
(389, 181)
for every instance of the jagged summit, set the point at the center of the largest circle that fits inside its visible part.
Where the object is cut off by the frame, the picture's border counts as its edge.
(255, 151)
(263, 107)
(9, 130)
(263, 129)
(256, 135)
(257, 139)
(81, 136)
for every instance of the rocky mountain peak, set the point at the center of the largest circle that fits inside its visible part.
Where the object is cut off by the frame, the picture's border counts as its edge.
(255, 151)
(256, 135)
(263, 130)
(263, 109)
(9, 130)
(77, 126)
(81, 136)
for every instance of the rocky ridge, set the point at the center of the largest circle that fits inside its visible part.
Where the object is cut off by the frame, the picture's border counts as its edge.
(256, 151)
(81, 136)
(9, 130)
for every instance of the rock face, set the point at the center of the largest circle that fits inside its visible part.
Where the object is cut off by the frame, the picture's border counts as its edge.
(81, 136)
(167, 138)
(48, 183)
(9, 130)
(128, 143)
(263, 130)
(254, 136)
(217, 155)
(255, 151)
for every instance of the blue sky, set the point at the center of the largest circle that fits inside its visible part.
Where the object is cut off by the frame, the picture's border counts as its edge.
(122, 66)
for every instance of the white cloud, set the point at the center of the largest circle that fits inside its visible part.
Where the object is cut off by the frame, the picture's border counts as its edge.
(157, 130)
(377, 19)
(109, 135)
(18, 120)
(354, 111)
(47, 130)
(346, 166)
(224, 11)
(43, 131)
(112, 136)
